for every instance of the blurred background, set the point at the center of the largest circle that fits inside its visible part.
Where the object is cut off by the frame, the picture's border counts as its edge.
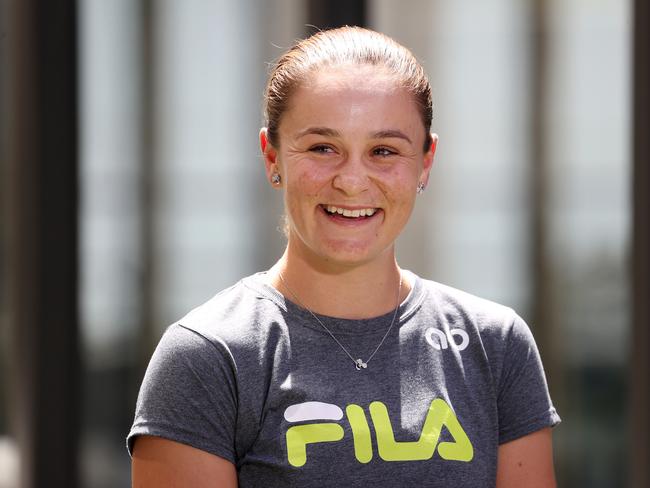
(133, 190)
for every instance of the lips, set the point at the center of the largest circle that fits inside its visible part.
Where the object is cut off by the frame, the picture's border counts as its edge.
(350, 213)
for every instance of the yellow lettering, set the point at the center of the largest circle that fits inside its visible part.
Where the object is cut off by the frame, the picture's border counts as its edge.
(439, 414)
(360, 433)
(299, 436)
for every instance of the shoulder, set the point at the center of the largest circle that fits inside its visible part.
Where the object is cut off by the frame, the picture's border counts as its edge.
(495, 331)
(240, 318)
(239, 304)
(456, 306)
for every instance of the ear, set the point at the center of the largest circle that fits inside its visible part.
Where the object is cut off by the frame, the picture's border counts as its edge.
(269, 153)
(428, 159)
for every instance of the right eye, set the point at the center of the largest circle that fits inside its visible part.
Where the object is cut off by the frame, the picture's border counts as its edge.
(321, 149)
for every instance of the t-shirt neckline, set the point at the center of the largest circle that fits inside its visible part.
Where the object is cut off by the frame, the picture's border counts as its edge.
(258, 283)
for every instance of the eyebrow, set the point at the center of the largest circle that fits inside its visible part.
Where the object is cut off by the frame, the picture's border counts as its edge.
(391, 133)
(326, 131)
(319, 131)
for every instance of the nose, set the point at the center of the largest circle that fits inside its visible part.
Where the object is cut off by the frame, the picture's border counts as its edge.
(351, 177)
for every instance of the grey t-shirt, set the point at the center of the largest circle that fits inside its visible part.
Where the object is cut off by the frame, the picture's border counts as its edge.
(253, 378)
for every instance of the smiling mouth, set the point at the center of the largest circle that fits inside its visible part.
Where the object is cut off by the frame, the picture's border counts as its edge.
(349, 214)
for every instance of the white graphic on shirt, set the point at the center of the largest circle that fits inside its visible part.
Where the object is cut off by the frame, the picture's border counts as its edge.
(439, 340)
(313, 411)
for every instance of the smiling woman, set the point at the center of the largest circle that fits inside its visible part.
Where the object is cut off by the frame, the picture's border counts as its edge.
(250, 389)
(351, 139)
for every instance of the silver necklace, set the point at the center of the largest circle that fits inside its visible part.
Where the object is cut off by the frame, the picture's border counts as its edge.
(358, 363)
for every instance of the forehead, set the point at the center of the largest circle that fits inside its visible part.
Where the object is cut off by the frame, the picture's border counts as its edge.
(370, 77)
(352, 96)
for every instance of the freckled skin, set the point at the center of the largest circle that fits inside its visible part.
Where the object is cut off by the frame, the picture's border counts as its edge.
(354, 160)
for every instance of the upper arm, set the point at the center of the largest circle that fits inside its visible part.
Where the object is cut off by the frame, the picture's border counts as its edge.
(527, 461)
(161, 463)
(188, 395)
(523, 402)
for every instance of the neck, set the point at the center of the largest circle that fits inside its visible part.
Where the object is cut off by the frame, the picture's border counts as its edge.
(354, 292)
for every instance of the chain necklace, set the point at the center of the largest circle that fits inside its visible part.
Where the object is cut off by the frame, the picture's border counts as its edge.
(358, 363)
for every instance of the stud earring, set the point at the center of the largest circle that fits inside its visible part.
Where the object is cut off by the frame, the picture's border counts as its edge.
(420, 188)
(276, 178)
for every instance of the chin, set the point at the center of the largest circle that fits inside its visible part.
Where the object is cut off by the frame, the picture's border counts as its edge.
(350, 254)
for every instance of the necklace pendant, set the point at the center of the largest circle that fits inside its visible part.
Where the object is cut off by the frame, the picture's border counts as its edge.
(358, 363)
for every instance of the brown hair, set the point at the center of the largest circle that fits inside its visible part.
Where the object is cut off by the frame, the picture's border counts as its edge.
(344, 45)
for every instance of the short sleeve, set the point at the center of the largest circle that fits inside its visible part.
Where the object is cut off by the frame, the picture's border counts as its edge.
(189, 394)
(524, 402)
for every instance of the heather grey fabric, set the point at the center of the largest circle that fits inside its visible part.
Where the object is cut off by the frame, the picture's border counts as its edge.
(253, 378)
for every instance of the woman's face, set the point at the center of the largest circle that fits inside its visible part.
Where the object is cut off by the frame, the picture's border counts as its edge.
(350, 157)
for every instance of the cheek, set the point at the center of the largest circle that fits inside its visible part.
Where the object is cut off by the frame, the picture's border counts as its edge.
(309, 182)
(306, 184)
(399, 186)
(302, 191)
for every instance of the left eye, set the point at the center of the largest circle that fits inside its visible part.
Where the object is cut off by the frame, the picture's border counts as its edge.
(382, 151)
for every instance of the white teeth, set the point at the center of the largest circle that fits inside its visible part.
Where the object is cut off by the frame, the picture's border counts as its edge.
(364, 212)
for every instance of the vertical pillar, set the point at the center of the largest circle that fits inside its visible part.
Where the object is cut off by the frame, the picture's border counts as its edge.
(639, 428)
(41, 202)
(543, 306)
(205, 126)
(147, 336)
(335, 13)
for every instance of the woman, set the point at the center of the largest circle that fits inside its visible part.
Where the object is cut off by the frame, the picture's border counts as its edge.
(336, 367)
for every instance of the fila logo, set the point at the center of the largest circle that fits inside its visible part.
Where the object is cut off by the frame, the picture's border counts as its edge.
(439, 415)
(439, 340)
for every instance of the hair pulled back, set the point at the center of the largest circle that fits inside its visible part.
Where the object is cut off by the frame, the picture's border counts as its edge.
(344, 46)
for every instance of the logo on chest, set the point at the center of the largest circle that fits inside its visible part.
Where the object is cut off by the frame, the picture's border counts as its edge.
(439, 415)
(457, 338)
